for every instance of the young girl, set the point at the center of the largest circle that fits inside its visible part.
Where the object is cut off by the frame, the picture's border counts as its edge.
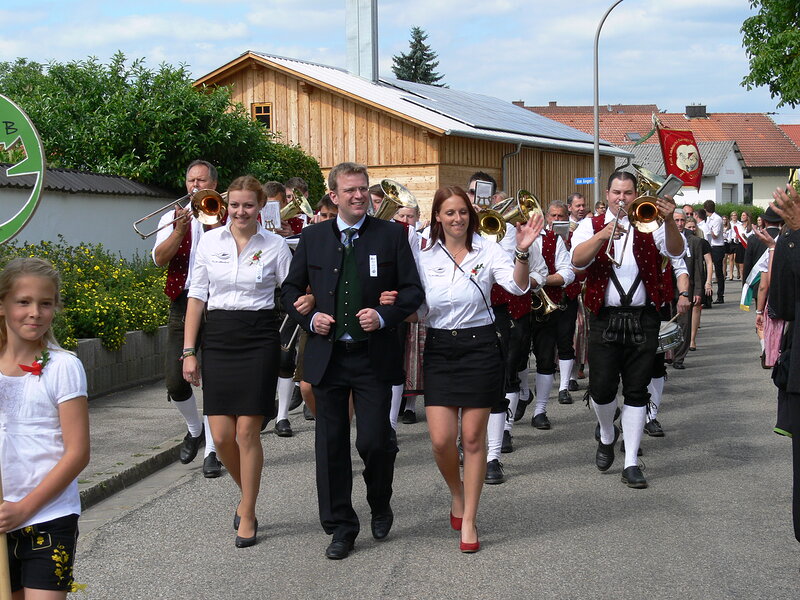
(44, 433)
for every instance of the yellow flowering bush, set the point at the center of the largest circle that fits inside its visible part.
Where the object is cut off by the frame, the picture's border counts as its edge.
(103, 295)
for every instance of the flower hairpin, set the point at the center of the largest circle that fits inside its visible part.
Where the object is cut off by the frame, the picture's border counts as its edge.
(38, 365)
(255, 258)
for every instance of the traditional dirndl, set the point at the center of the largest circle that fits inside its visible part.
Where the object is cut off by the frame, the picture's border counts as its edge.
(463, 367)
(240, 361)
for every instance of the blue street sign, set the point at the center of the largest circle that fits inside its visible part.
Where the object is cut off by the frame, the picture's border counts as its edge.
(584, 180)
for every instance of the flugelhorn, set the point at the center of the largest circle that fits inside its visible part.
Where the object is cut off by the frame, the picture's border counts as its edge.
(542, 305)
(299, 204)
(395, 197)
(492, 221)
(208, 206)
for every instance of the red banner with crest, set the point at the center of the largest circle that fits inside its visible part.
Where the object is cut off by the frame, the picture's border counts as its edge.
(681, 156)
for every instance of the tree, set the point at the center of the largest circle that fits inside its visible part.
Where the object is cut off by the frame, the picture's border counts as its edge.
(145, 124)
(772, 42)
(419, 64)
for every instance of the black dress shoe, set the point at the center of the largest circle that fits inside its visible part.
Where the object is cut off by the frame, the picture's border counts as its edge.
(573, 386)
(339, 549)
(508, 445)
(382, 524)
(604, 457)
(297, 398)
(236, 520)
(409, 417)
(283, 428)
(717, 301)
(564, 397)
(653, 428)
(211, 466)
(242, 542)
(191, 445)
(540, 421)
(522, 405)
(633, 478)
(494, 472)
(307, 414)
(679, 366)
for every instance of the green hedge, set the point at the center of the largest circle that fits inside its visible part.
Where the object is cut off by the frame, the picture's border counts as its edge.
(729, 207)
(103, 295)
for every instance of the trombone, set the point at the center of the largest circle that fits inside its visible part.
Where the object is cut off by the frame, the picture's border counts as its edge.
(642, 214)
(208, 206)
(395, 197)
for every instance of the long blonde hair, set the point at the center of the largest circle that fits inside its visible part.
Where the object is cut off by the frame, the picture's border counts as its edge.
(20, 267)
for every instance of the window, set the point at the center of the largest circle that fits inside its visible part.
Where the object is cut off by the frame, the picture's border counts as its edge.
(748, 193)
(262, 112)
(633, 136)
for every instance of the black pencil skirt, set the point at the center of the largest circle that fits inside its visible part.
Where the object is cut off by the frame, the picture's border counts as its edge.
(240, 361)
(463, 367)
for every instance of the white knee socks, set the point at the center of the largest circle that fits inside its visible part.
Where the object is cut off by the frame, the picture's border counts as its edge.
(210, 447)
(513, 401)
(632, 420)
(656, 389)
(397, 400)
(188, 408)
(494, 430)
(605, 416)
(524, 387)
(544, 383)
(285, 389)
(565, 369)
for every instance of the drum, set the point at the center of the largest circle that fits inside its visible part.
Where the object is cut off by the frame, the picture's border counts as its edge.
(669, 337)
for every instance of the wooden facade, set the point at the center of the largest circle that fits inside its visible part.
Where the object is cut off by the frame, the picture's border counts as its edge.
(334, 126)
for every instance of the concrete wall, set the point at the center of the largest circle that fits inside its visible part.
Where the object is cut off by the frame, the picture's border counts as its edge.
(765, 180)
(139, 361)
(91, 218)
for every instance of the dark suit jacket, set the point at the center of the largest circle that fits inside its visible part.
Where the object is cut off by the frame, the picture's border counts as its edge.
(695, 264)
(755, 250)
(784, 297)
(318, 262)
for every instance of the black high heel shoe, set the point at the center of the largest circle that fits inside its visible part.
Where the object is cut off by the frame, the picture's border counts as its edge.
(236, 520)
(242, 542)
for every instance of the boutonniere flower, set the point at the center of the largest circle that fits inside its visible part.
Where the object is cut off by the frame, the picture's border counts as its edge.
(255, 258)
(475, 270)
(38, 363)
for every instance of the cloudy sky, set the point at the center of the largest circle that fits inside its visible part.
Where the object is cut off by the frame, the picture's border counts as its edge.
(665, 52)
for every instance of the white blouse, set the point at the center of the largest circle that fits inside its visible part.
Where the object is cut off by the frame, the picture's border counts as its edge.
(452, 298)
(226, 281)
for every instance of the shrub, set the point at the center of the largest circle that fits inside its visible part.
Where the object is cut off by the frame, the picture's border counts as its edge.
(103, 295)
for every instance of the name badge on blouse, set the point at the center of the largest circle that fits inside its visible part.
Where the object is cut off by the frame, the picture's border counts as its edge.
(436, 271)
(221, 257)
(373, 265)
(259, 273)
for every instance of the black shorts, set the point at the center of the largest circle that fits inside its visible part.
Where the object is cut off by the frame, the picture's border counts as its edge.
(41, 556)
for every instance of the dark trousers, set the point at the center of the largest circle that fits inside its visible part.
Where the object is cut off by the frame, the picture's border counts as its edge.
(543, 343)
(566, 321)
(684, 321)
(349, 371)
(718, 258)
(612, 360)
(794, 420)
(178, 389)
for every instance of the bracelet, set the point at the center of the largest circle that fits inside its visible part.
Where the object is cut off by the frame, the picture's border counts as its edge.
(187, 352)
(521, 256)
(759, 312)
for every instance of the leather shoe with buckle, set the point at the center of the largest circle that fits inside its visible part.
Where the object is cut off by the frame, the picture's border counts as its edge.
(633, 478)
(653, 428)
(409, 417)
(508, 445)
(211, 466)
(382, 524)
(605, 452)
(521, 406)
(564, 397)
(190, 446)
(494, 472)
(283, 428)
(339, 549)
(573, 386)
(540, 421)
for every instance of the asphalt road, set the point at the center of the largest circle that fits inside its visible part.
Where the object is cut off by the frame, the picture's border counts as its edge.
(714, 523)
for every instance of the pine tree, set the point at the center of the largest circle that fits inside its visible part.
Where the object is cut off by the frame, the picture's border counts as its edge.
(419, 64)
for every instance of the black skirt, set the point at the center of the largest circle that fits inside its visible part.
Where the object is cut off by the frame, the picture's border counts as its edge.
(240, 360)
(463, 367)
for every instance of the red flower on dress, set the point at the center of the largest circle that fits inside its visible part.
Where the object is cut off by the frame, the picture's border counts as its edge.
(38, 364)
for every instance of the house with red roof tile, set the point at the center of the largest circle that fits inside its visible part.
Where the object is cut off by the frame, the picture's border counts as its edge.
(768, 151)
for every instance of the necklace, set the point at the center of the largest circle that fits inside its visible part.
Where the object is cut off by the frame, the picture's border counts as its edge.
(456, 254)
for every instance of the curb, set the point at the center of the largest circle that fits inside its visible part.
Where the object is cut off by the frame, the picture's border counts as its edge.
(93, 493)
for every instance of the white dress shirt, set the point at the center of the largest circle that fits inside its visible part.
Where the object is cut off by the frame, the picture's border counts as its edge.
(161, 236)
(626, 274)
(716, 234)
(452, 298)
(703, 226)
(563, 262)
(226, 281)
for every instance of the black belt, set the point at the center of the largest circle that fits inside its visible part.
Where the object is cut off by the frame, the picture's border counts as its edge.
(351, 345)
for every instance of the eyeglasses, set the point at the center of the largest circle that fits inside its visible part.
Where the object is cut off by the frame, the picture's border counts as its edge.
(353, 190)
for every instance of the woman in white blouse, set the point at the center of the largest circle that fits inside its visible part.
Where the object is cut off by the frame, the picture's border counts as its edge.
(462, 364)
(237, 268)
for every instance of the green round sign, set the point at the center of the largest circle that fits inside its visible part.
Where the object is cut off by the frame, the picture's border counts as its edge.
(16, 128)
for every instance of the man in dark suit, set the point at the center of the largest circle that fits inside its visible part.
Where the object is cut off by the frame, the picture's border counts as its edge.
(755, 247)
(353, 346)
(695, 262)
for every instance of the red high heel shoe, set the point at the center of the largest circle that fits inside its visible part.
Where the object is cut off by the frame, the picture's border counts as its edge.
(455, 522)
(470, 547)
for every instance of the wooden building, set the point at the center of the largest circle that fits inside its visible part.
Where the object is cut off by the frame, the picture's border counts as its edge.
(422, 136)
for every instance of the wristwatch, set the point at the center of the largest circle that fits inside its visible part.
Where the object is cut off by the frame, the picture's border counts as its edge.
(684, 294)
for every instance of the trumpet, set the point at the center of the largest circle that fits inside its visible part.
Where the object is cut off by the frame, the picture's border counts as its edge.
(542, 305)
(395, 197)
(492, 221)
(299, 204)
(208, 206)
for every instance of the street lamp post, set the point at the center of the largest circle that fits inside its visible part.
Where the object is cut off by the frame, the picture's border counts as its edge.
(597, 108)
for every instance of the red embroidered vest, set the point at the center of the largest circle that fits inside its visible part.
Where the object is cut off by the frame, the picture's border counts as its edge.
(549, 242)
(178, 268)
(648, 260)
(574, 288)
